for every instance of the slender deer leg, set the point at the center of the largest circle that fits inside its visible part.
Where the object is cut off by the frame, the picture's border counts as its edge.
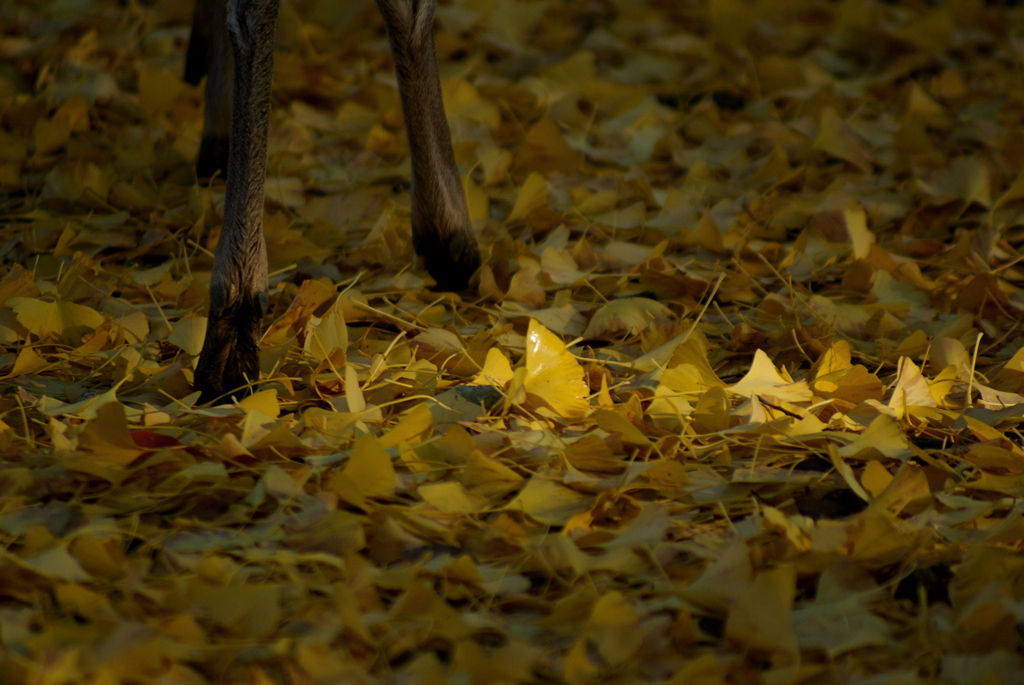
(442, 233)
(197, 57)
(238, 285)
(209, 54)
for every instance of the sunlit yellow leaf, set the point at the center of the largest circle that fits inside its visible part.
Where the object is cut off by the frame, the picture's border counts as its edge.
(414, 428)
(764, 379)
(264, 401)
(553, 376)
(911, 389)
(857, 227)
(497, 369)
(60, 318)
(883, 436)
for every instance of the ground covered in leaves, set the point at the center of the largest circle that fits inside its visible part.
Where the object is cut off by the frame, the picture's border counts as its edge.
(735, 399)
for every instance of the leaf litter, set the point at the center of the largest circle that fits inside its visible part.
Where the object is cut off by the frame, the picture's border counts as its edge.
(736, 399)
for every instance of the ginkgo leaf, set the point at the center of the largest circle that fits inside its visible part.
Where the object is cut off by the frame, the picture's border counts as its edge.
(27, 362)
(188, 334)
(450, 498)
(76, 181)
(835, 138)
(760, 618)
(476, 199)
(108, 438)
(560, 267)
(532, 195)
(883, 436)
(549, 502)
(628, 315)
(264, 401)
(60, 318)
(58, 564)
(497, 369)
(326, 335)
(911, 390)
(545, 478)
(524, 287)
(764, 378)
(368, 473)
(854, 384)
(553, 376)
(857, 228)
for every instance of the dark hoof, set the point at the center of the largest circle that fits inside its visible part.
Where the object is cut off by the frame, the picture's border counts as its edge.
(452, 263)
(213, 156)
(229, 363)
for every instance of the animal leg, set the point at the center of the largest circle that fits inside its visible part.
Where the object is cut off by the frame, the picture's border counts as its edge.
(442, 233)
(210, 54)
(238, 284)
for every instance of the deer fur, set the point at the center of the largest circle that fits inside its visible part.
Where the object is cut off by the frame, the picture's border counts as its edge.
(210, 54)
(233, 42)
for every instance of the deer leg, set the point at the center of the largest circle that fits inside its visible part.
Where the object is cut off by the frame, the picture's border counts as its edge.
(238, 284)
(197, 57)
(442, 233)
(209, 54)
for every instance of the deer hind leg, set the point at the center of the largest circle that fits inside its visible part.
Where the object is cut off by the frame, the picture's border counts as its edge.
(442, 233)
(238, 284)
(209, 54)
(197, 57)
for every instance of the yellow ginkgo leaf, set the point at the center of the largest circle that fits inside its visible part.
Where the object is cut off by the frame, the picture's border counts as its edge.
(264, 401)
(764, 379)
(836, 139)
(369, 473)
(553, 376)
(884, 436)
(497, 369)
(188, 334)
(324, 337)
(53, 318)
(628, 315)
(560, 267)
(911, 389)
(532, 195)
(549, 502)
(108, 437)
(476, 199)
(525, 288)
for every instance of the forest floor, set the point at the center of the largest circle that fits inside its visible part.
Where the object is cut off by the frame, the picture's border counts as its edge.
(735, 398)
